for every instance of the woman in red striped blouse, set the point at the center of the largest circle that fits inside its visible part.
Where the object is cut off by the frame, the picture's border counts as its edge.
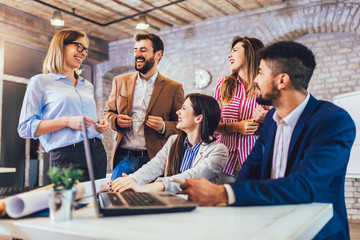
(241, 115)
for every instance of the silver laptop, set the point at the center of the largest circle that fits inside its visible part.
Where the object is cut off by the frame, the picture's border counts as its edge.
(130, 203)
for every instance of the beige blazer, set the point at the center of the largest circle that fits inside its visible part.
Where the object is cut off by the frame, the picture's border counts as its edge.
(167, 97)
(208, 163)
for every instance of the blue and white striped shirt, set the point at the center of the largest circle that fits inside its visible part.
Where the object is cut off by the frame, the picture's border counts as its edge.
(190, 155)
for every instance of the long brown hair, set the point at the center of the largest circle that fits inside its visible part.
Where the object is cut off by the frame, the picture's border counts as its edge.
(251, 46)
(207, 107)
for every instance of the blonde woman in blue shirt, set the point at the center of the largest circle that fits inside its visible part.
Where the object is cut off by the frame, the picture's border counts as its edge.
(56, 101)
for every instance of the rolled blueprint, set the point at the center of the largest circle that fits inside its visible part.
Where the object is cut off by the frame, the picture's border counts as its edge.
(30, 202)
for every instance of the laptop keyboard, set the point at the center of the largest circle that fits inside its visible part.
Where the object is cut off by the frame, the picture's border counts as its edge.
(141, 199)
(9, 191)
(114, 199)
(135, 199)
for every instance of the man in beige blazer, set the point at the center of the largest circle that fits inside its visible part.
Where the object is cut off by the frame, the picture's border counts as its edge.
(142, 108)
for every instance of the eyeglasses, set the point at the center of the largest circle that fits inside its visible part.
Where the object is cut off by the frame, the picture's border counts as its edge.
(80, 47)
(136, 119)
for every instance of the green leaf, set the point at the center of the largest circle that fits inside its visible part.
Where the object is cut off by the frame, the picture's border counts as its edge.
(64, 178)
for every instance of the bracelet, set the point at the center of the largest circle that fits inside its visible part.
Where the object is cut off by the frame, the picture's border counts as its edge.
(225, 128)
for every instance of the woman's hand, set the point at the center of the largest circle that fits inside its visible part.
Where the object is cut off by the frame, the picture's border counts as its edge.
(245, 127)
(102, 126)
(260, 112)
(124, 183)
(75, 122)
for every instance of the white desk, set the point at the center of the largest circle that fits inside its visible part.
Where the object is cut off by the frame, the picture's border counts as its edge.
(7, 169)
(272, 222)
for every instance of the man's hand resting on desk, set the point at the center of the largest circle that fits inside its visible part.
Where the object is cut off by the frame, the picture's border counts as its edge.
(204, 192)
(124, 183)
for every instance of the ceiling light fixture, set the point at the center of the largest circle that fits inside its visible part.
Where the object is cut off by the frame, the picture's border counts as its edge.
(57, 19)
(142, 23)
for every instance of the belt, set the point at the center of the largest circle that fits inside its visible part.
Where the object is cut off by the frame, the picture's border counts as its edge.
(93, 140)
(132, 153)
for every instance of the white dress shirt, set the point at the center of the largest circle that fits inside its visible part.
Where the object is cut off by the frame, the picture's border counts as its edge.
(285, 128)
(134, 137)
(281, 146)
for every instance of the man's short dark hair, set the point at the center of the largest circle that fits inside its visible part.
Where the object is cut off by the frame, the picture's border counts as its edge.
(155, 39)
(291, 58)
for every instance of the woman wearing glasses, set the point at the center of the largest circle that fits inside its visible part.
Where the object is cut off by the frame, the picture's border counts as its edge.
(193, 153)
(56, 101)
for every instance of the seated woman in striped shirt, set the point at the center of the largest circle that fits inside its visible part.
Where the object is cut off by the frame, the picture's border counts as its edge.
(193, 153)
(241, 115)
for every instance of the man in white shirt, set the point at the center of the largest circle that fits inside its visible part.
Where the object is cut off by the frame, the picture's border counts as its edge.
(303, 148)
(142, 108)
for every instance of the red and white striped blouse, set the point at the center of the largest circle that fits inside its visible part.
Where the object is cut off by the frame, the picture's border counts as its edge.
(240, 108)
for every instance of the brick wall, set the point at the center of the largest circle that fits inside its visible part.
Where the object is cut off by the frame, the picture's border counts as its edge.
(329, 27)
(338, 63)
(352, 199)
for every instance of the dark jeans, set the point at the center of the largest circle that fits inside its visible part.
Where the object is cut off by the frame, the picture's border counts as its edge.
(74, 156)
(127, 164)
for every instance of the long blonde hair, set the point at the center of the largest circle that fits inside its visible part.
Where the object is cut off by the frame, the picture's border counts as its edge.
(251, 46)
(55, 59)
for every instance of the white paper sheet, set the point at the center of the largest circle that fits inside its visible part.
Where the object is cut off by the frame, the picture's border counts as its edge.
(30, 202)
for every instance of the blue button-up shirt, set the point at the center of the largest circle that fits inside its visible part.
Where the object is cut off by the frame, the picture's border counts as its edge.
(189, 155)
(51, 96)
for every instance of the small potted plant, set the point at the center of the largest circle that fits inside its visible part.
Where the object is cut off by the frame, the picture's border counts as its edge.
(63, 194)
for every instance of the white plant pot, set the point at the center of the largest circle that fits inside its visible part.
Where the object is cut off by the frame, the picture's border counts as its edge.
(61, 204)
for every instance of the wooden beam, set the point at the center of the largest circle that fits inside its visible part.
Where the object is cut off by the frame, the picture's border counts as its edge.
(149, 15)
(235, 5)
(37, 32)
(159, 21)
(216, 8)
(192, 11)
(170, 13)
(110, 10)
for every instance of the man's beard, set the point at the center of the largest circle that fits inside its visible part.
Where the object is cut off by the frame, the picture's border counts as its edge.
(149, 64)
(269, 98)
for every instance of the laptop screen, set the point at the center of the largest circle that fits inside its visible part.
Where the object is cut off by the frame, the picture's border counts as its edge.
(89, 165)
